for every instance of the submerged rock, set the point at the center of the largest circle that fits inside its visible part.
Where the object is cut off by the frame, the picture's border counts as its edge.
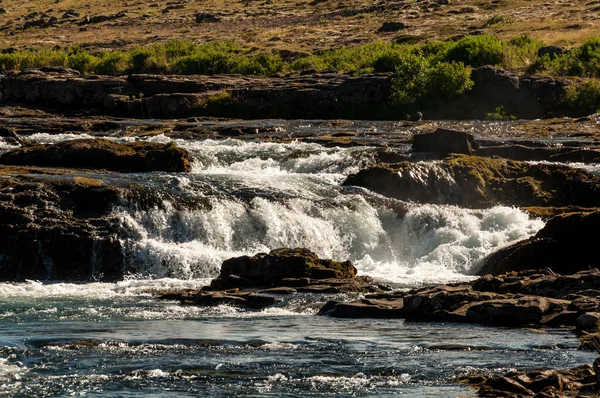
(102, 154)
(478, 182)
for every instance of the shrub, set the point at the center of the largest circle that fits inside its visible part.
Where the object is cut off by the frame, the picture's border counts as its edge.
(449, 80)
(499, 114)
(411, 79)
(477, 51)
(419, 80)
(583, 98)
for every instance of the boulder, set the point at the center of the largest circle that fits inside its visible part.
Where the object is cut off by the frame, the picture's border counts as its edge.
(443, 141)
(566, 244)
(391, 27)
(588, 322)
(279, 265)
(102, 154)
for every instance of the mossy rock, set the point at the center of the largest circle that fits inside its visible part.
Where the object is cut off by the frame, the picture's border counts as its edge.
(102, 154)
(479, 182)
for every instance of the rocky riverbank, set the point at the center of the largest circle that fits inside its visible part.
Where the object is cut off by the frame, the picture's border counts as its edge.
(311, 96)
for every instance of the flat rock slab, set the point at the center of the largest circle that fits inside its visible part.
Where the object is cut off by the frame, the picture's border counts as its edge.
(538, 298)
(102, 154)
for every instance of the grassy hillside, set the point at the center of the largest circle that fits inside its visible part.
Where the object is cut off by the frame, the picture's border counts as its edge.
(293, 26)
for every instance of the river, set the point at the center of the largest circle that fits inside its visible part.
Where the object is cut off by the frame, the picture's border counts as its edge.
(115, 339)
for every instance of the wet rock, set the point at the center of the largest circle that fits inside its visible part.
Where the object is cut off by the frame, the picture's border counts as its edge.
(525, 153)
(102, 154)
(262, 280)
(62, 229)
(588, 322)
(388, 308)
(503, 384)
(270, 269)
(553, 246)
(538, 383)
(443, 141)
(535, 297)
(478, 182)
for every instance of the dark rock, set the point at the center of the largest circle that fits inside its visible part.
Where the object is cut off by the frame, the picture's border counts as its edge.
(270, 269)
(553, 246)
(87, 20)
(551, 51)
(205, 17)
(71, 13)
(391, 27)
(588, 322)
(445, 141)
(59, 230)
(504, 384)
(366, 308)
(102, 154)
(10, 133)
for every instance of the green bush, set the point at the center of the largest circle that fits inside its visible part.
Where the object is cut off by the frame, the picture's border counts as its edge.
(419, 80)
(581, 61)
(583, 98)
(477, 51)
(499, 114)
(449, 80)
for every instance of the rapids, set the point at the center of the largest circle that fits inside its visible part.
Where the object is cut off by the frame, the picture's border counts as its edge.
(115, 339)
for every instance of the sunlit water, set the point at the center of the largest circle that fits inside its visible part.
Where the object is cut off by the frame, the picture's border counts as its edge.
(101, 339)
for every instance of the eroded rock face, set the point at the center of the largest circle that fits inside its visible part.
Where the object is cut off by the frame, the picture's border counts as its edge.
(478, 182)
(102, 154)
(326, 95)
(58, 230)
(567, 244)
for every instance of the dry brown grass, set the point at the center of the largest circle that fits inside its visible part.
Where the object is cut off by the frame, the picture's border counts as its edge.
(296, 25)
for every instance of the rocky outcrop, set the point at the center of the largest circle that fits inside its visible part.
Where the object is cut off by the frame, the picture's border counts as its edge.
(256, 282)
(277, 268)
(58, 229)
(326, 95)
(477, 182)
(539, 297)
(567, 244)
(102, 154)
(539, 383)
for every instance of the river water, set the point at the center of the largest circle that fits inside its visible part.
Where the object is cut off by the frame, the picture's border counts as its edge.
(115, 339)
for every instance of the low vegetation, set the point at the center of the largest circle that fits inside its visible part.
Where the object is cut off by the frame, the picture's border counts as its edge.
(187, 57)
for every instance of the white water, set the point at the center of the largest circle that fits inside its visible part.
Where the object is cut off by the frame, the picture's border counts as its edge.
(296, 201)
